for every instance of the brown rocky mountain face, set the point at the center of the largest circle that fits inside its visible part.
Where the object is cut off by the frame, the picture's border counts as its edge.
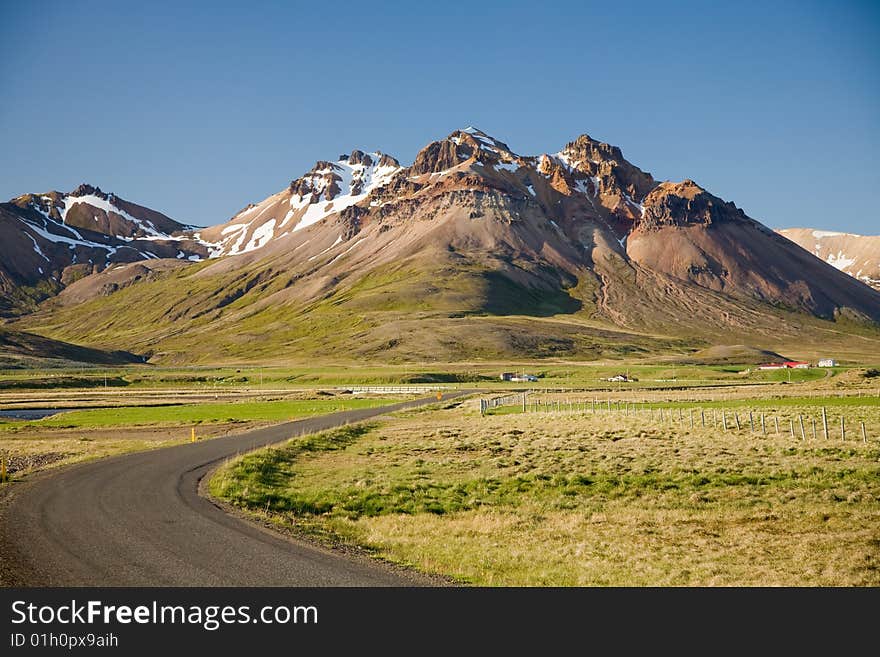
(694, 236)
(473, 251)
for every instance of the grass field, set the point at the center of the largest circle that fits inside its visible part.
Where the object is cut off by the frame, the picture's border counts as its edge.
(94, 433)
(581, 499)
(186, 414)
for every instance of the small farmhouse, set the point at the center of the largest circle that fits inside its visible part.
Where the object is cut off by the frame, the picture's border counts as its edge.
(507, 376)
(827, 362)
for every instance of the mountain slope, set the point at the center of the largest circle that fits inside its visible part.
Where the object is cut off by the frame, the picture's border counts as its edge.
(473, 251)
(692, 235)
(857, 255)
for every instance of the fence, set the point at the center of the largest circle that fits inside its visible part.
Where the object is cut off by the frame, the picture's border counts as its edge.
(506, 400)
(799, 426)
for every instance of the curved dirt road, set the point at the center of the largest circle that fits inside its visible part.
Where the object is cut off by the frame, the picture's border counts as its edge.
(138, 520)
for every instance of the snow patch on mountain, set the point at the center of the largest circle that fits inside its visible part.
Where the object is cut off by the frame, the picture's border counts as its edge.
(840, 260)
(107, 206)
(260, 236)
(354, 182)
(37, 248)
(328, 249)
(72, 243)
(633, 203)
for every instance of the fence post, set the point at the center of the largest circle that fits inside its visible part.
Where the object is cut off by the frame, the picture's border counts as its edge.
(714, 420)
(703, 417)
(776, 422)
(692, 418)
(524, 402)
(791, 427)
(824, 423)
(842, 428)
(736, 417)
(813, 422)
(801, 421)
(763, 427)
(724, 419)
(864, 434)
(751, 422)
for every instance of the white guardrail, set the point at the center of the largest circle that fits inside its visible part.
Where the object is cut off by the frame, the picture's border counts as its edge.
(392, 390)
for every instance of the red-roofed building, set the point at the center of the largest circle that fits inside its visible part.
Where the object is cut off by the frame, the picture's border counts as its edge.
(789, 364)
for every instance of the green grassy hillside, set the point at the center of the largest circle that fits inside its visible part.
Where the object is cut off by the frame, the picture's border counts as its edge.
(431, 307)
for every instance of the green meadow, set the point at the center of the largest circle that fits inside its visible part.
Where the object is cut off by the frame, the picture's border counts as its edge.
(246, 411)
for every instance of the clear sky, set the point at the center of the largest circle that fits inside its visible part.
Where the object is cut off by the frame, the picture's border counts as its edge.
(196, 109)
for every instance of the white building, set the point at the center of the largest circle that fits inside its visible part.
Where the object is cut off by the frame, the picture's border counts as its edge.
(827, 362)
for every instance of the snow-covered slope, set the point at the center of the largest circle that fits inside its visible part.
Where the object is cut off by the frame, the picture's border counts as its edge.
(857, 255)
(329, 188)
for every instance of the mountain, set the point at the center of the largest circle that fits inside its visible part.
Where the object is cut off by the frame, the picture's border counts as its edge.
(857, 255)
(472, 251)
(52, 239)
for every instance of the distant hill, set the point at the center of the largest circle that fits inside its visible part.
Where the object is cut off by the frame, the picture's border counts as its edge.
(857, 255)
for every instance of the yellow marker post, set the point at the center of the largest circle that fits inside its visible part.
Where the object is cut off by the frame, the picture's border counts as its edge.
(439, 395)
(193, 437)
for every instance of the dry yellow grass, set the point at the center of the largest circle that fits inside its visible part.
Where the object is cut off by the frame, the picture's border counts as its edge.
(541, 499)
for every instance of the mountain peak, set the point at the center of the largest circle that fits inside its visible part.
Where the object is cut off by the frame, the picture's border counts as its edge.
(686, 203)
(85, 189)
(471, 130)
(459, 147)
(481, 140)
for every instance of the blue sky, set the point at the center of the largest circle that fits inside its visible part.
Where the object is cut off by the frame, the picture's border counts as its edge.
(197, 109)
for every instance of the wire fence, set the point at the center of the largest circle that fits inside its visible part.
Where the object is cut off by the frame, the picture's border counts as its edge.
(843, 424)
